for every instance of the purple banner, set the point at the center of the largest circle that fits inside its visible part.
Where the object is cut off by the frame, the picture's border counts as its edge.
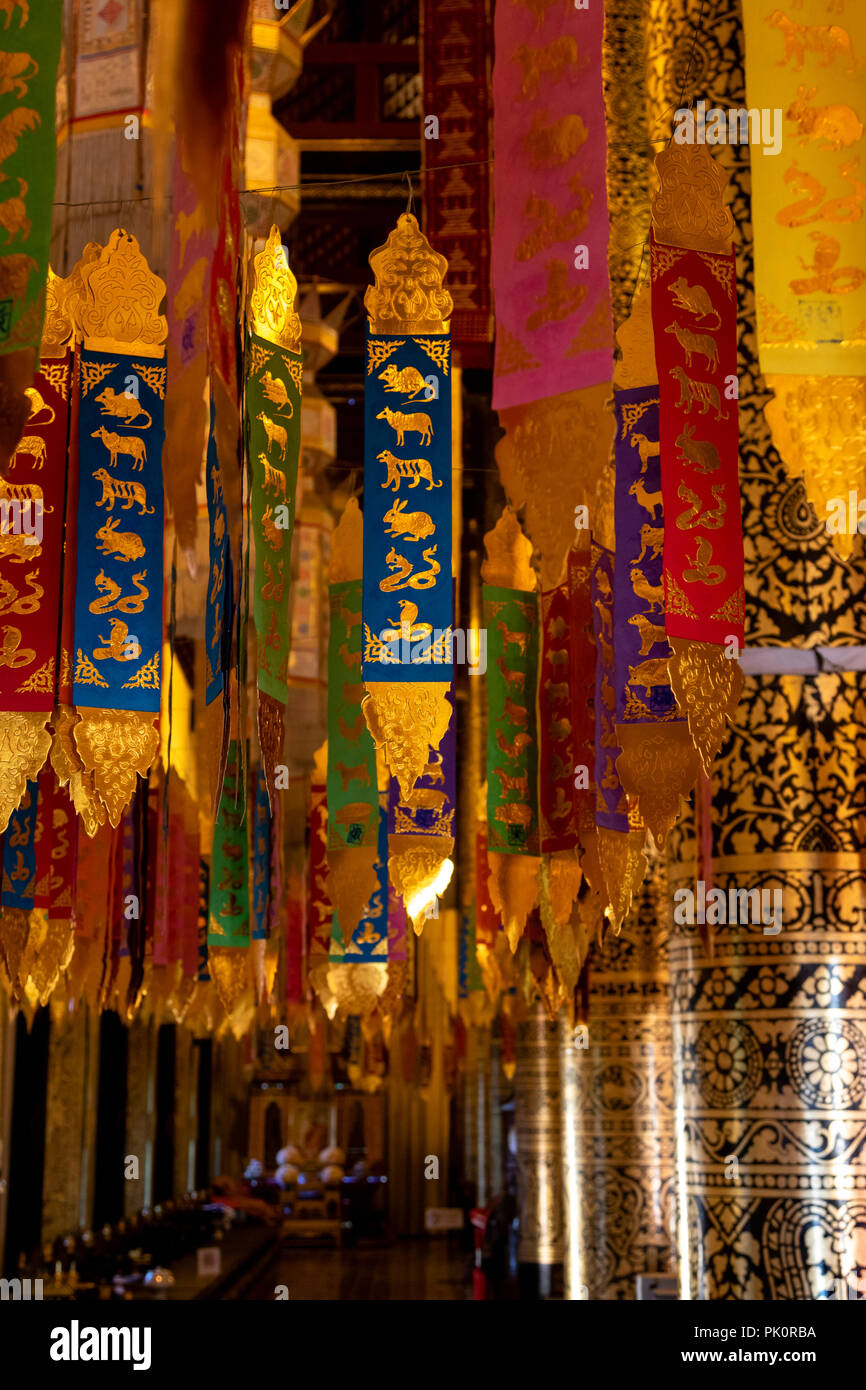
(429, 809)
(643, 693)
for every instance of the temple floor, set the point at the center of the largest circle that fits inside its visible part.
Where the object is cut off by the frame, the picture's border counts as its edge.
(413, 1269)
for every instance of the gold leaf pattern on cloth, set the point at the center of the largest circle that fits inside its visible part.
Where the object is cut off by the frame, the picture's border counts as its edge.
(409, 294)
(658, 766)
(273, 296)
(24, 745)
(406, 721)
(707, 686)
(623, 864)
(116, 745)
(513, 884)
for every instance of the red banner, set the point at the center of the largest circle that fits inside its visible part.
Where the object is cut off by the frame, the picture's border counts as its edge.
(321, 912)
(694, 313)
(457, 48)
(565, 694)
(487, 923)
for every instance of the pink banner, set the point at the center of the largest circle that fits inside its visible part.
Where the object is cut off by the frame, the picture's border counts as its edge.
(551, 291)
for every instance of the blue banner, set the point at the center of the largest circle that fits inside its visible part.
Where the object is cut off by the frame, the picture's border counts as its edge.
(407, 597)
(118, 597)
(19, 853)
(261, 858)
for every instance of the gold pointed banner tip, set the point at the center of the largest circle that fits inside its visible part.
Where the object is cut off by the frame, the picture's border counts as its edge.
(273, 315)
(409, 295)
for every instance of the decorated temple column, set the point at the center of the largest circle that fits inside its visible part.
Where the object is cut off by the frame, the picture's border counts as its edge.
(483, 1132)
(70, 1123)
(539, 1162)
(621, 1094)
(571, 1134)
(470, 1108)
(770, 1026)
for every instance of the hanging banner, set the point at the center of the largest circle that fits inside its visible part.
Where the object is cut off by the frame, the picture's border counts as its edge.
(565, 696)
(458, 42)
(261, 858)
(554, 330)
(429, 810)
(19, 854)
(118, 598)
(511, 619)
(804, 84)
(694, 307)
(408, 598)
(694, 322)
(369, 939)
(203, 975)
(229, 913)
(62, 829)
(320, 913)
(118, 604)
(657, 765)
(408, 605)
(353, 804)
(611, 803)
(31, 558)
(273, 433)
(217, 622)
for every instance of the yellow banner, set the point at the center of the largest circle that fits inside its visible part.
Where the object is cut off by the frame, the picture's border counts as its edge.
(806, 93)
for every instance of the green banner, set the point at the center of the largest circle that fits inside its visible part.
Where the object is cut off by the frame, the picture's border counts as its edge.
(511, 620)
(273, 431)
(229, 915)
(29, 52)
(353, 803)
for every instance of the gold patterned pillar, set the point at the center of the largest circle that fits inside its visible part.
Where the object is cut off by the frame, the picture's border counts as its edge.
(470, 1108)
(573, 1274)
(770, 1029)
(483, 1130)
(70, 1122)
(539, 1160)
(621, 1090)
(495, 1112)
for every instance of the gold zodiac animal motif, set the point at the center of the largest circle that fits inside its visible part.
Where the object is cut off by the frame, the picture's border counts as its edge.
(273, 481)
(12, 601)
(513, 639)
(14, 74)
(648, 674)
(33, 445)
(13, 214)
(418, 470)
(834, 126)
(413, 423)
(276, 434)
(273, 533)
(702, 572)
(694, 300)
(37, 405)
(128, 493)
(702, 393)
(518, 783)
(648, 500)
(115, 643)
(353, 774)
(651, 538)
(277, 394)
(15, 546)
(695, 344)
(653, 595)
(113, 598)
(552, 61)
(126, 545)
(513, 750)
(701, 452)
(711, 519)
(649, 633)
(403, 578)
(404, 382)
(24, 493)
(12, 127)
(118, 444)
(415, 526)
(827, 43)
(647, 449)
(123, 407)
(517, 679)
(12, 654)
